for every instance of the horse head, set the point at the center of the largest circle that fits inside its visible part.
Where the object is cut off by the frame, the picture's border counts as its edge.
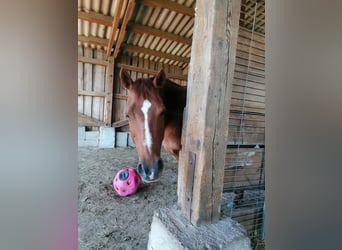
(145, 111)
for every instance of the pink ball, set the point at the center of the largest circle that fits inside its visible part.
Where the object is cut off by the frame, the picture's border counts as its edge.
(126, 181)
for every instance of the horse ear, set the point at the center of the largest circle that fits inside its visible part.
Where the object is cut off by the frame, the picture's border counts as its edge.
(159, 79)
(125, 79)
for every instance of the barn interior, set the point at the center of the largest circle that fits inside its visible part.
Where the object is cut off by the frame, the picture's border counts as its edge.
(143, 36)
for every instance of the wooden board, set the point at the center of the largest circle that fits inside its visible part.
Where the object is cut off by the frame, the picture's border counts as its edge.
(205, 134)
(98, 85)
(80, 81)
(88, 82)
(244, 167)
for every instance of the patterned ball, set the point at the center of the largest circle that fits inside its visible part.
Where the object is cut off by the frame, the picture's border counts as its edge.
(126, 181)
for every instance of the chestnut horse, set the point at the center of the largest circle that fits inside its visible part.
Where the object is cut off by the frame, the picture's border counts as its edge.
(155, 111)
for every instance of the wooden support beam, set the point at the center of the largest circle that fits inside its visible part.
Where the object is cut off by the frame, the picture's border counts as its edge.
(91, 93)
(132, 48)
(206, 117)
(120, 97)
(141, 29)
(120, 123)
(95, 17)
(149, 71)
(115, 25)
(84, 120)
(92, 61)
(93, 40)
(126, 17)
(108, 104)
(166, 4)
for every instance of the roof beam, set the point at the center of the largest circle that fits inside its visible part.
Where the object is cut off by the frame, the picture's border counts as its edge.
(92, 61)
(149, 71)
(94, 17)
(166, 4)
(160, 54)
(114, 25)
(93, 40)
(141, 29)
(128, 13)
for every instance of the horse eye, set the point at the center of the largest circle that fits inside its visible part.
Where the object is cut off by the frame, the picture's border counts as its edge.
(127, 116)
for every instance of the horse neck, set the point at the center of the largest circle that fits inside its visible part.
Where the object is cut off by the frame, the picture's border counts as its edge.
(174, 97)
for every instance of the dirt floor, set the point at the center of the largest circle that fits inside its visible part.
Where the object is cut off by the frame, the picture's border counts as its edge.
(108, 221)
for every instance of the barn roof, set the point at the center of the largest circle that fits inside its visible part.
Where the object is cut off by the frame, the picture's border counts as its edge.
(157, 30)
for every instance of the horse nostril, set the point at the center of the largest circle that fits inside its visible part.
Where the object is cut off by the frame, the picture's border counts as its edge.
(143, 169)
(140, 169)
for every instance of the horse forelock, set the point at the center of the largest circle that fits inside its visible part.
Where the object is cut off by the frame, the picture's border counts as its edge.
(144, 88)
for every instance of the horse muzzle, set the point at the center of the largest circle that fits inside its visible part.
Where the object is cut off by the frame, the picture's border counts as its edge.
(150, 172)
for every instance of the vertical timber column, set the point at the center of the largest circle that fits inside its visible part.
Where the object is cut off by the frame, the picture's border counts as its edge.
(109, 92)
(205, 129)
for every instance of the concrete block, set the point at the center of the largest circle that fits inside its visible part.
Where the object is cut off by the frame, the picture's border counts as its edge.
(130, 141)
(92, 135)
(81, 133)
(171, 230)
(88, 143)
(121, 139)
(91, 139)
(107, 137)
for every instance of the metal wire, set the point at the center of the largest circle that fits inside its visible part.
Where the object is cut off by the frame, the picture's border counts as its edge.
(243, 106)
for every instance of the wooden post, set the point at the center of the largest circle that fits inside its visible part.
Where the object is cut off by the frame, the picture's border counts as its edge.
(109, 92)
(205, 128)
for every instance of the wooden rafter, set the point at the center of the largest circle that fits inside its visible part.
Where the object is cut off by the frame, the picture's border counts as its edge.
(141, 29)
(123, 26)
(166, 4)
(149, 71)
(93, 40)
(115, 25)
(132, 48)
(92, 61)
(94, 17)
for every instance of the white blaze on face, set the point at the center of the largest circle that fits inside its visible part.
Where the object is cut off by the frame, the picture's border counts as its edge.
(148, 138)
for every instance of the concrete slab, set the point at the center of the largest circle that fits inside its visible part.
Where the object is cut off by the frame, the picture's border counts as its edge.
(91, 139)
(92, 135)
(170, 230)
(107, 137)
(130, 141)
(121, 139)
(81, 133)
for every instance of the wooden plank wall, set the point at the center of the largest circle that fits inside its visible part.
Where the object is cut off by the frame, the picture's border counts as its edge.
(138, 67)
(244, 166)
(91, 83)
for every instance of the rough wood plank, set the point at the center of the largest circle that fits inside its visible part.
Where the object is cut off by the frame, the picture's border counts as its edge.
(93, 40)
(91, 93)
(95, 17)
(92, 61)
(122, 32)
(108, 101)
(243, 168)
(120, 123)
(173, 6)
(98, 86)
(88, 82)
(210, 84)
(80, 80)
(149, 71)
(141, 29)
(136, 49)
(115, 24)
(84, 120)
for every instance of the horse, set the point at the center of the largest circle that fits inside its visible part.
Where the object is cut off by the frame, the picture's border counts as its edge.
(155, 112)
